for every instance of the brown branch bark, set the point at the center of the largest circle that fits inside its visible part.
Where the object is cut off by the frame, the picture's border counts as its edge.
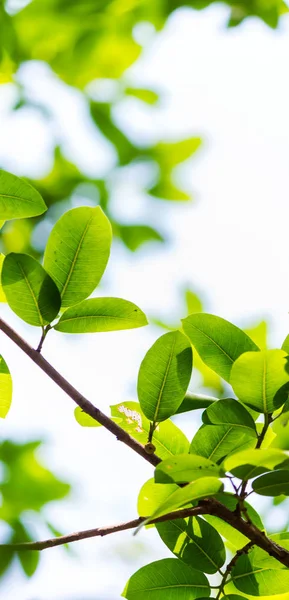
(209, 506)
(76, 396)
(102, 531)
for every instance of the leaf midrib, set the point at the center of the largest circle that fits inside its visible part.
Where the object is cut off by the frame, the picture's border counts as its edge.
(164, 380)
(76, 256)
(32, 294)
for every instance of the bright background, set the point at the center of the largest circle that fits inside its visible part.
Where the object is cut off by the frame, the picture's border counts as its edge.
(231, 88)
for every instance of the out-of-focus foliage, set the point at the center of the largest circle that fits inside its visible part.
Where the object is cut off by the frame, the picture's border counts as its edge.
(85, 42)
(26, 487)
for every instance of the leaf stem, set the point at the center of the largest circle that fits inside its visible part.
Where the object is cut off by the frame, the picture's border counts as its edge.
(44, 334)
(230, 566)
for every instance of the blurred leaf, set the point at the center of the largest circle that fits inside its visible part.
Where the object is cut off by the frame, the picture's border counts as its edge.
(2, 295)
(218, 342)
(31, 293)
(134, 236)
(101, 314)
(5, 388)
(164, 376)
(29, 560)
(258, 334)
(77, 252)
(18, 198)
(147, 96)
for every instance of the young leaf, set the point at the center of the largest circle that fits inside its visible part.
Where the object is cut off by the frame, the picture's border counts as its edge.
(251, 463)
(168, 438)
(217, 441)
(168, 578)
(101, 314)
(194, 402)
(77, 252)
(164, 376)
(272, 484)
(18, 199)
(186, 467)
(151, 495)
(251, 577)
(201, 488)
(257, 377)
(229, 412)
(5, 388)
(30, 291)
(218, 342)
(2, 295)
(195, 542)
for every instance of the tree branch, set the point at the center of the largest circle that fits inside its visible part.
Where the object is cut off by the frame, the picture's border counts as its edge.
(77, 397)
(102, 531)
(209, 506)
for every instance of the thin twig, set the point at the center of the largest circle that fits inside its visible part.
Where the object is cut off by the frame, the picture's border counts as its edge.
(76, 396)
(102, 531)
(231, 565)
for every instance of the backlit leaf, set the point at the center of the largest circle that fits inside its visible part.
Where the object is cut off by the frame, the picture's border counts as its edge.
(164, 376)
(217, 441)
(30, 291)
(251, 463)
(218, 342)
(5, 388)
(18, 199)
(186, 467)
(77, 252)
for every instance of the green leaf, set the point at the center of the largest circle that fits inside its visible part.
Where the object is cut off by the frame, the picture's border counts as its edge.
(285, 345)
(101, 314)
(134, 236)
(201, 488)
(85, 420)
(18, 199)
(30, 291)
(194, 402)
(272, 484)
(151, 495)
(256, 378)
(218, 342)
(236, 539)
(6, 557)
(195, 542)
(77, 252)
(186, 467)
(229, 412)
(164, 376)
(148, 96)
(251, 463)
(2, 295)
(167, 578)
(217, 441)
(29, 560)
(5, 388)
(258, 574)
(168, 438)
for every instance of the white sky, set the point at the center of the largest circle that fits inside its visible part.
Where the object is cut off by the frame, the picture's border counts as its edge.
(230, 87)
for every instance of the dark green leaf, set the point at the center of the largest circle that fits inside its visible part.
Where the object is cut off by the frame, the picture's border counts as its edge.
(194, 402)
(272, 484)
(186, 467)
(167, 578)
(29, 560)
(256, 378)
(195, 542)
(77, 252)
(229, 412)
(6, 557)
(18, 199)
(101, 314)
(168, 438)
(217, 441)
(258, 574)
(218, 342)
(30, 291)
(164, 376)
(5, 388)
